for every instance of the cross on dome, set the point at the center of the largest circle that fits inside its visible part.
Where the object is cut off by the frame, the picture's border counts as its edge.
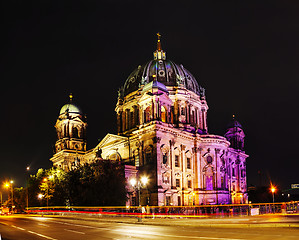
(159, 54)
(71, 97)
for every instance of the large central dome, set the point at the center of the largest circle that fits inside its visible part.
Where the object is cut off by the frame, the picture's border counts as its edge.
(163, 71)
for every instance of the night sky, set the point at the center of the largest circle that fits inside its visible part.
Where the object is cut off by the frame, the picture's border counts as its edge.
(244, 53)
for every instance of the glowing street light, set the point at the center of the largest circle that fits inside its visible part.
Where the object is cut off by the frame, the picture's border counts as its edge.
(40, 196)
(144, 180)
(133, 182)
(138, 184)
(46, 180)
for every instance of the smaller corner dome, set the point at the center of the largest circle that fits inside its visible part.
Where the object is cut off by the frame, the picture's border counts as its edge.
(70, 108)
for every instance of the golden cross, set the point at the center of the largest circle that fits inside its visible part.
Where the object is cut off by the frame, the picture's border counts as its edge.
(159, 35)
(71, 97)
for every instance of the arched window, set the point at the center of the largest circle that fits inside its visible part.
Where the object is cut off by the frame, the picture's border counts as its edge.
(182, 111)
(223, 185)
(123, 120)
(132, 120)
(75, 132)
(148, 155)
(147, 114)
(127, 119)
(163, 114)
(64, 134)
(165, 158)
(114, 157)
(208, 178)
(135, 116)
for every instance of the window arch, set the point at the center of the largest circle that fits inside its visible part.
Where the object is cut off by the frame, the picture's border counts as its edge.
(147, 114)
(114, 157)
(163, 114)
(165, 156)
(75, 132)
(148, 155)
(208, 178)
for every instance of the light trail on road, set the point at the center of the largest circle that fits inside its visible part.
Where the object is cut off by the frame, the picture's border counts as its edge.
(60, 228)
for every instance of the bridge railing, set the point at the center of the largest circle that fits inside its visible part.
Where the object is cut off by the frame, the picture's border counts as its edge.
(174, 211)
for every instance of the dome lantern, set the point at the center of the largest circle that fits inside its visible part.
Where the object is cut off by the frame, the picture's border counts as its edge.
(159, 54)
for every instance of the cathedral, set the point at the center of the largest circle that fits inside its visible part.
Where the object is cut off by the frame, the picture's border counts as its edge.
(162, 133)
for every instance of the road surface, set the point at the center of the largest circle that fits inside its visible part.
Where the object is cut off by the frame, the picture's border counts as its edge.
(22, 227)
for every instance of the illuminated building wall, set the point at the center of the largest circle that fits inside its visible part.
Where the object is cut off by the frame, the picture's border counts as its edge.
(163, 134)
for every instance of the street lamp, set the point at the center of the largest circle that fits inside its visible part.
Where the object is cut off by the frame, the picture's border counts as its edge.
(11, 183)
(273, 190)
(40, 196)
(46, 181)
(138, 185)
(7, 185)
(27, 197)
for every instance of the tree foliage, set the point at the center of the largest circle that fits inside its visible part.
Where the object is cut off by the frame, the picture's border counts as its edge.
(101, 183)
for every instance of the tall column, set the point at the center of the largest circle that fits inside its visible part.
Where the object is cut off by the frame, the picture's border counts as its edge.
(217, 175)
(201, 123)
(204, 119)
(196, 118)
(153, 110)
(183, 167)
(171, 163)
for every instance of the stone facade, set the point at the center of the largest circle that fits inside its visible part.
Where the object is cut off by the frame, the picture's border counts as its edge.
(163, 134)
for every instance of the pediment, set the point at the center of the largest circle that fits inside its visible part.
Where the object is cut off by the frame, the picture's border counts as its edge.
(110, 139)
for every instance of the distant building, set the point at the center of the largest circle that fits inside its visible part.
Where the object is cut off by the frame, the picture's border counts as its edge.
(162, 133)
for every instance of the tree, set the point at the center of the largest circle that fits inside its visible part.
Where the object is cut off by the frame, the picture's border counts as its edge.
(99, 183)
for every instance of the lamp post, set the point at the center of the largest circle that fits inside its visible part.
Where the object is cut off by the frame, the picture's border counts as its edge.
(11, 185)
(46, 181)
(7, 185)
(40, 197)
(27, 197)
(273, 189)
(138, 184)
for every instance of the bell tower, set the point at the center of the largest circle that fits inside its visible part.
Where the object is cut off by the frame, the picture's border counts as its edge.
(235, 135)
(70, 126)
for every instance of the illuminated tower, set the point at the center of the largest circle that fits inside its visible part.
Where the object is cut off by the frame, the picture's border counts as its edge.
(236, 164)
(235, 134)
(70, 146)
